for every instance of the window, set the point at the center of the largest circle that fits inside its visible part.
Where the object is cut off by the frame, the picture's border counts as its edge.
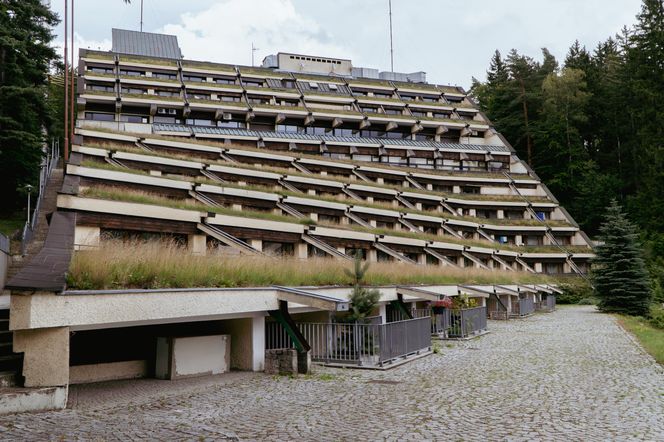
(540, 215)
(134, 90)
(199, 122)
(166, 120)
(100, 88)
(392, 110)
(231, 124)
(333, 87)
(359, 93)
(229, 98)
(291, 128)
(167, 93)
(313, 85)
(290, 84)
(253, 83)
(418, 113)
(132, 73)
(99, 116)
(369, 109)
(429, 99)
(133, 118)
(441, 115)
(98, 70)
(382, 94)
(470, 189)
(164, 76)
(408, 97)
(224, 80)
(193, 78)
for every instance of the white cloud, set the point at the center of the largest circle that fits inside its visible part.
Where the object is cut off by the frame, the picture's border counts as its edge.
(225, 31)
(81, 42)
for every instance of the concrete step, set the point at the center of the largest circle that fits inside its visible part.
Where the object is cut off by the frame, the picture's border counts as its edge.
(7, 379)
(20, 400)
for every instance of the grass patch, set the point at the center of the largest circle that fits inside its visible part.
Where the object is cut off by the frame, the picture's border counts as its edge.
(166, 264)
(11, 223)
(651, 338)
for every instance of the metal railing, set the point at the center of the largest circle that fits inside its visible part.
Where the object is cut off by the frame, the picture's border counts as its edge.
(355, 343)
(51, 158)
(550, 303)
(467, 322)
(526, 306)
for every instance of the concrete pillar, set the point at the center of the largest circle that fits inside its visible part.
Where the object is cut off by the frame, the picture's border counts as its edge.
(380, 180)
(372, 255)
(418, 206)
(313, 216)
(456, 189)
(86, 237)
(422, 259)
(382, 311)
(500, 214)
(323, 173)
(429, 187)
(372, 223)
(341, 249)
(197, 244)
(256, 244)
(538, 267)
(45, 356)
(567, 268)
(237, 207)
(311, 191)
(472, 212)
(370, 199)
(155, 173)
(258, 343)
(344, 221)
(518, 239)
(301, 250)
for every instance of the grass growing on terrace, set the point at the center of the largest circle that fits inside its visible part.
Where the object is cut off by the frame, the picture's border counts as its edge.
(651, 338)
(163, 264)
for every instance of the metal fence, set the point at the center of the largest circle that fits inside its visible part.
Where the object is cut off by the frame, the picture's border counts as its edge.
(550, 303)
(467, 322)
(51, 158)
(526, 306)
(356, 344)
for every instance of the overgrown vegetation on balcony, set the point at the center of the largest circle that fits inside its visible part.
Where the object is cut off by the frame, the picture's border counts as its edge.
(165, 264)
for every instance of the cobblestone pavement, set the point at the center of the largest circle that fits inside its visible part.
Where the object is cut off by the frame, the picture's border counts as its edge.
(570, 375)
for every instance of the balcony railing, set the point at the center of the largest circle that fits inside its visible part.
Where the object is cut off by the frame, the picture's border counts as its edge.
(523, 307)
(467, 322)
(355, 343)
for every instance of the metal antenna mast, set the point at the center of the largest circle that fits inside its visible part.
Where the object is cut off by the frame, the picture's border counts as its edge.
(391, 47)
(253, 51)
(141, 15)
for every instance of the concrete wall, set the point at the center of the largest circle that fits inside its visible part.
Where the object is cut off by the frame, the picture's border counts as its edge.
(83, 374)
(179, 357)
(241, 333)
(46, 356)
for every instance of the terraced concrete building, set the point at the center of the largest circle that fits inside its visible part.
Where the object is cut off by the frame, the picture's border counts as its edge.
(304, 156)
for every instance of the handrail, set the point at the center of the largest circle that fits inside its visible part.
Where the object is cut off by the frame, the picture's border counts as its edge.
(51, 159)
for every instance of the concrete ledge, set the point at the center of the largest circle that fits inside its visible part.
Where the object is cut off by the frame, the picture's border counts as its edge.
(467, 338)
(386, 366)
(20, 400)
(84, 374)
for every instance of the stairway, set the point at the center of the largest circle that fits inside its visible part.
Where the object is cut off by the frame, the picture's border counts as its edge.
(48, 206)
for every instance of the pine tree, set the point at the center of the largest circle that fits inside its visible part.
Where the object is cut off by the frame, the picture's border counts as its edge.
(25, 57)
(362, 300)
(619, 272)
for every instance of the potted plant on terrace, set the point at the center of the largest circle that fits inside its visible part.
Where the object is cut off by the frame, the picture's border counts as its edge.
(438, 307)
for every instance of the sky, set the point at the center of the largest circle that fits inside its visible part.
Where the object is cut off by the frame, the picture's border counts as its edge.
(451, 40)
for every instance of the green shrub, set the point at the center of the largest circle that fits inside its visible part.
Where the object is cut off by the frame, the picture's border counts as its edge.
(656, 318)
(574, 291)
(588, 301)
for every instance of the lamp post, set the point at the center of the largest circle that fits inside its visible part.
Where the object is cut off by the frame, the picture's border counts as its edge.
(28, 187)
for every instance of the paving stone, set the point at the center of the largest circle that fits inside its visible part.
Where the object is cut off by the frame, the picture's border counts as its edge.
(570, 375)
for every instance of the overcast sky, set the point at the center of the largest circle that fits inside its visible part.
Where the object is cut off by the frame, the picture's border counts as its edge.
(451, 41)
